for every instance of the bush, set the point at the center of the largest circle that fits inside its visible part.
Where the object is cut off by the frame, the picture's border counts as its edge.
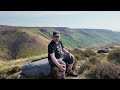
(78, 54)
(81, 55)
(74, 64)
(4, 74)
(13, 70)
(104, 71)
(84, 67)
(89, 53)
(114, 55)
(94, 60)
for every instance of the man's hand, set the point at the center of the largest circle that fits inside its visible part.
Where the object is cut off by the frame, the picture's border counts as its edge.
(71, 55)
(67, 52)
(62, 67)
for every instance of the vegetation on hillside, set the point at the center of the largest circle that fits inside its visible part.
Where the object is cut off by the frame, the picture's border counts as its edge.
(17, 42)
(114, 55)
(98, 68)
(7, 68)
(20, 45)
(77, 38)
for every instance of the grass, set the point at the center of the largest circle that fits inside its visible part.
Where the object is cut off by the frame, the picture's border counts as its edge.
(6, 65)
(114, 55)
(23, 43)
(104, 71)
(82, 55)
(74, 64)
(101, 67)
(31, 45)
(84, 67)
(102, 57)
(98, 69)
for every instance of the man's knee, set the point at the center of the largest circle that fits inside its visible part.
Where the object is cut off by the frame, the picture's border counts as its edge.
(71, 60)
(68, 59)
(63, 63)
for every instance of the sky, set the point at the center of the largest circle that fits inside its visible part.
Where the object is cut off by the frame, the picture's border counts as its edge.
(72, 19)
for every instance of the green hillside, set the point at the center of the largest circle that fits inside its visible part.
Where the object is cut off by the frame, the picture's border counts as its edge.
(21, 42)
(23, 45)
(76, 38)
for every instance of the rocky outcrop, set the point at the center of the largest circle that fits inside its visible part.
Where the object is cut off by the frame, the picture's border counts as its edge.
(102, 51)
(39, 68)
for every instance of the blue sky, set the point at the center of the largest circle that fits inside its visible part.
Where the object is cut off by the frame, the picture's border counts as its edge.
(72, 19)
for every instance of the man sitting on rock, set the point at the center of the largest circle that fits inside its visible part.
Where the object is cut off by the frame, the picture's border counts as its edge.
(58, 56)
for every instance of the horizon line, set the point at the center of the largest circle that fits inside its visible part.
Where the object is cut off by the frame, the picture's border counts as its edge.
(56, 27)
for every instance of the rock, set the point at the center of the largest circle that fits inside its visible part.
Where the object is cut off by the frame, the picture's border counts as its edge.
(39, 68)
(102, 51)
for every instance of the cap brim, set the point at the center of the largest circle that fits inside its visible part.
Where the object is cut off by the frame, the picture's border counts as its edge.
(57, 35)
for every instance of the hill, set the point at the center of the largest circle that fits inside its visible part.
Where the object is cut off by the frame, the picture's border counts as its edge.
(21, 42)
(16, 42)
(22, 45)
(84, 38)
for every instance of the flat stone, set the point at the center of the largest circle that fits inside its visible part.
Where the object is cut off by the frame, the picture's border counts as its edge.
(39, 68)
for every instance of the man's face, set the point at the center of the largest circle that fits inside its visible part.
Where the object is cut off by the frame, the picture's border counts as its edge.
(56, 38)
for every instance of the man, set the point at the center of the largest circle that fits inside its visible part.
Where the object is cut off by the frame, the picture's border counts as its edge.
(58, 56)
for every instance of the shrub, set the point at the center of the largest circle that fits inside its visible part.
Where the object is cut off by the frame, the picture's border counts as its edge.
(81, 55)
(78, 54)
(13, 70)
(94, 60)
(4, 74)
(114, 55)
(84, 67)
(104, 71)
(89, 53)
(74, 64)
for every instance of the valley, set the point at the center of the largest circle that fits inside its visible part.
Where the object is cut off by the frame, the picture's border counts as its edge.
(21, 45)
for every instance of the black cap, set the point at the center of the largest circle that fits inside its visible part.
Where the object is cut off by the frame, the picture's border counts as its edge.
(56, 33)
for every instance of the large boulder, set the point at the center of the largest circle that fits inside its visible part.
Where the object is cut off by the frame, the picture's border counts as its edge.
(39, 68)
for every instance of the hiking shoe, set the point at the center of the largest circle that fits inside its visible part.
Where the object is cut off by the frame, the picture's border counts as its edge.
(63, 77)
(71, 73)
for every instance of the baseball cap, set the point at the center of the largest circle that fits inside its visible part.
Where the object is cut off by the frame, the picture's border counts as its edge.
(56, 33)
